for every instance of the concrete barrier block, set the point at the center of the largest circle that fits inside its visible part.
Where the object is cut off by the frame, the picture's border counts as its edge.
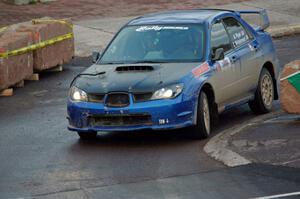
(290, 88)
(26, 2)
(51, 55)
(46, 1)
(18, 2)
(15, 68)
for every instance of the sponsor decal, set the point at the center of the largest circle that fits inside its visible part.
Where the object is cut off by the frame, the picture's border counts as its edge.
(163, 121)
(200, 70)
(224, 64)
(217, 67)
(158, 28)
(239, 38)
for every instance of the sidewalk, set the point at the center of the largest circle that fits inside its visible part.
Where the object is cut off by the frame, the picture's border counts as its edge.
(91, 9)
(95, 34)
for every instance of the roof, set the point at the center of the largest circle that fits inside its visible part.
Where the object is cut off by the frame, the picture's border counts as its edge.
(178, 16)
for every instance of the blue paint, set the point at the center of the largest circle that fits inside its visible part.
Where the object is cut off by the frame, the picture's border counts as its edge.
(181, 111)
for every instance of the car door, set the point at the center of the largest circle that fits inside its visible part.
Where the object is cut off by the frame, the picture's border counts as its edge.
(228, 69)
(247, 49)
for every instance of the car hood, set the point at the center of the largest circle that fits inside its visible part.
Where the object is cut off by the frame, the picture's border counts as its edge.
(133, 77)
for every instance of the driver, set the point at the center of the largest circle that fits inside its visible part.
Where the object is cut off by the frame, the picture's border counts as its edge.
(150, 44)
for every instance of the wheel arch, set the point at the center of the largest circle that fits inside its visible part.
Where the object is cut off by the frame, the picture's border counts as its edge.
(209, 91)
(270, 67)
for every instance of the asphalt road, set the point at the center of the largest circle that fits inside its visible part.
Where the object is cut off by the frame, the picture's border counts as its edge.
(278, 136)
(40, 158)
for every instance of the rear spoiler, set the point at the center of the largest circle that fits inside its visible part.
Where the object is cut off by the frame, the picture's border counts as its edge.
(264, 19)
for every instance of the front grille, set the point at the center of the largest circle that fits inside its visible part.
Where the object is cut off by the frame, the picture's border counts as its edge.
(98, 98)
(120, 120)
(141, 97)
(117, 100)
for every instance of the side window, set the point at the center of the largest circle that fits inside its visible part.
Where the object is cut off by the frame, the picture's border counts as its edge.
(237, 32)
(219, 37)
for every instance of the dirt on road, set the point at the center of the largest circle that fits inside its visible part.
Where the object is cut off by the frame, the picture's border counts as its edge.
(89, 9)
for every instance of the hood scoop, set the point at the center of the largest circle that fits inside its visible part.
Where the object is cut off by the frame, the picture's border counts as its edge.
(134, 68)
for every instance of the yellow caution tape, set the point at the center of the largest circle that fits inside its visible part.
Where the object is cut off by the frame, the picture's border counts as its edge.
(3, 28)
(36, 46)
(37, 21)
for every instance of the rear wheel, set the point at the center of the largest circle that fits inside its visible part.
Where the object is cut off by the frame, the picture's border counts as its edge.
(264, 95)
(203, 127)
(87, 135)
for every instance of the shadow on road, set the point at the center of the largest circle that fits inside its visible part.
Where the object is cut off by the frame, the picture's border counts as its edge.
(139, 138)
(150, 138)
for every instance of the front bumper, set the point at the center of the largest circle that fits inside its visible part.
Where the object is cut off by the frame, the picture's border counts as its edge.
(165, 114)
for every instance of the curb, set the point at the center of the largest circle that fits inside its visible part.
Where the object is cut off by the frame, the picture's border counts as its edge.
(217, 146)
(283, 31)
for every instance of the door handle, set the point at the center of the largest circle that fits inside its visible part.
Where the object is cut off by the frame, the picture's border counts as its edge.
(255, 46)
(234, 58)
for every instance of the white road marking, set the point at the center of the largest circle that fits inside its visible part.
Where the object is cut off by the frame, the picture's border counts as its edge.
(291, 161)
(279, 195)
(284, 78)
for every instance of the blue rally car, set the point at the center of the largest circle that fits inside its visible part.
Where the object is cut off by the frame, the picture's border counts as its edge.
(176, 69)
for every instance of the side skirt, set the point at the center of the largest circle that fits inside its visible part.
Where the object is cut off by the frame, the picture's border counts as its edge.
(236, 103)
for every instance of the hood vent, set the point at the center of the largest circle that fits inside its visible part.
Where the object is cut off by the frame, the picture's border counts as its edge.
(134, 68)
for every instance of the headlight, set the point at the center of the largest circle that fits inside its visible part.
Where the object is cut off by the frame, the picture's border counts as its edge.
(168, 92)
(77, 94)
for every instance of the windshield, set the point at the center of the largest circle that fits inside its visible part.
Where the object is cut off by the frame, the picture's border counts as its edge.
(156, 43)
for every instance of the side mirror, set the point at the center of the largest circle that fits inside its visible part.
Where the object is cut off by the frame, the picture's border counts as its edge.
(218, 54)
(95, 56)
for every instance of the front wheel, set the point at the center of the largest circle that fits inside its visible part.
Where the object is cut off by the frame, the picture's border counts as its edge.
(264, 94)
(87, 135)
(203, 127)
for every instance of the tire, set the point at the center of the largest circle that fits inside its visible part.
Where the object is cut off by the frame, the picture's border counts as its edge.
(264, 95)
(202, 129)
(87, 135)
